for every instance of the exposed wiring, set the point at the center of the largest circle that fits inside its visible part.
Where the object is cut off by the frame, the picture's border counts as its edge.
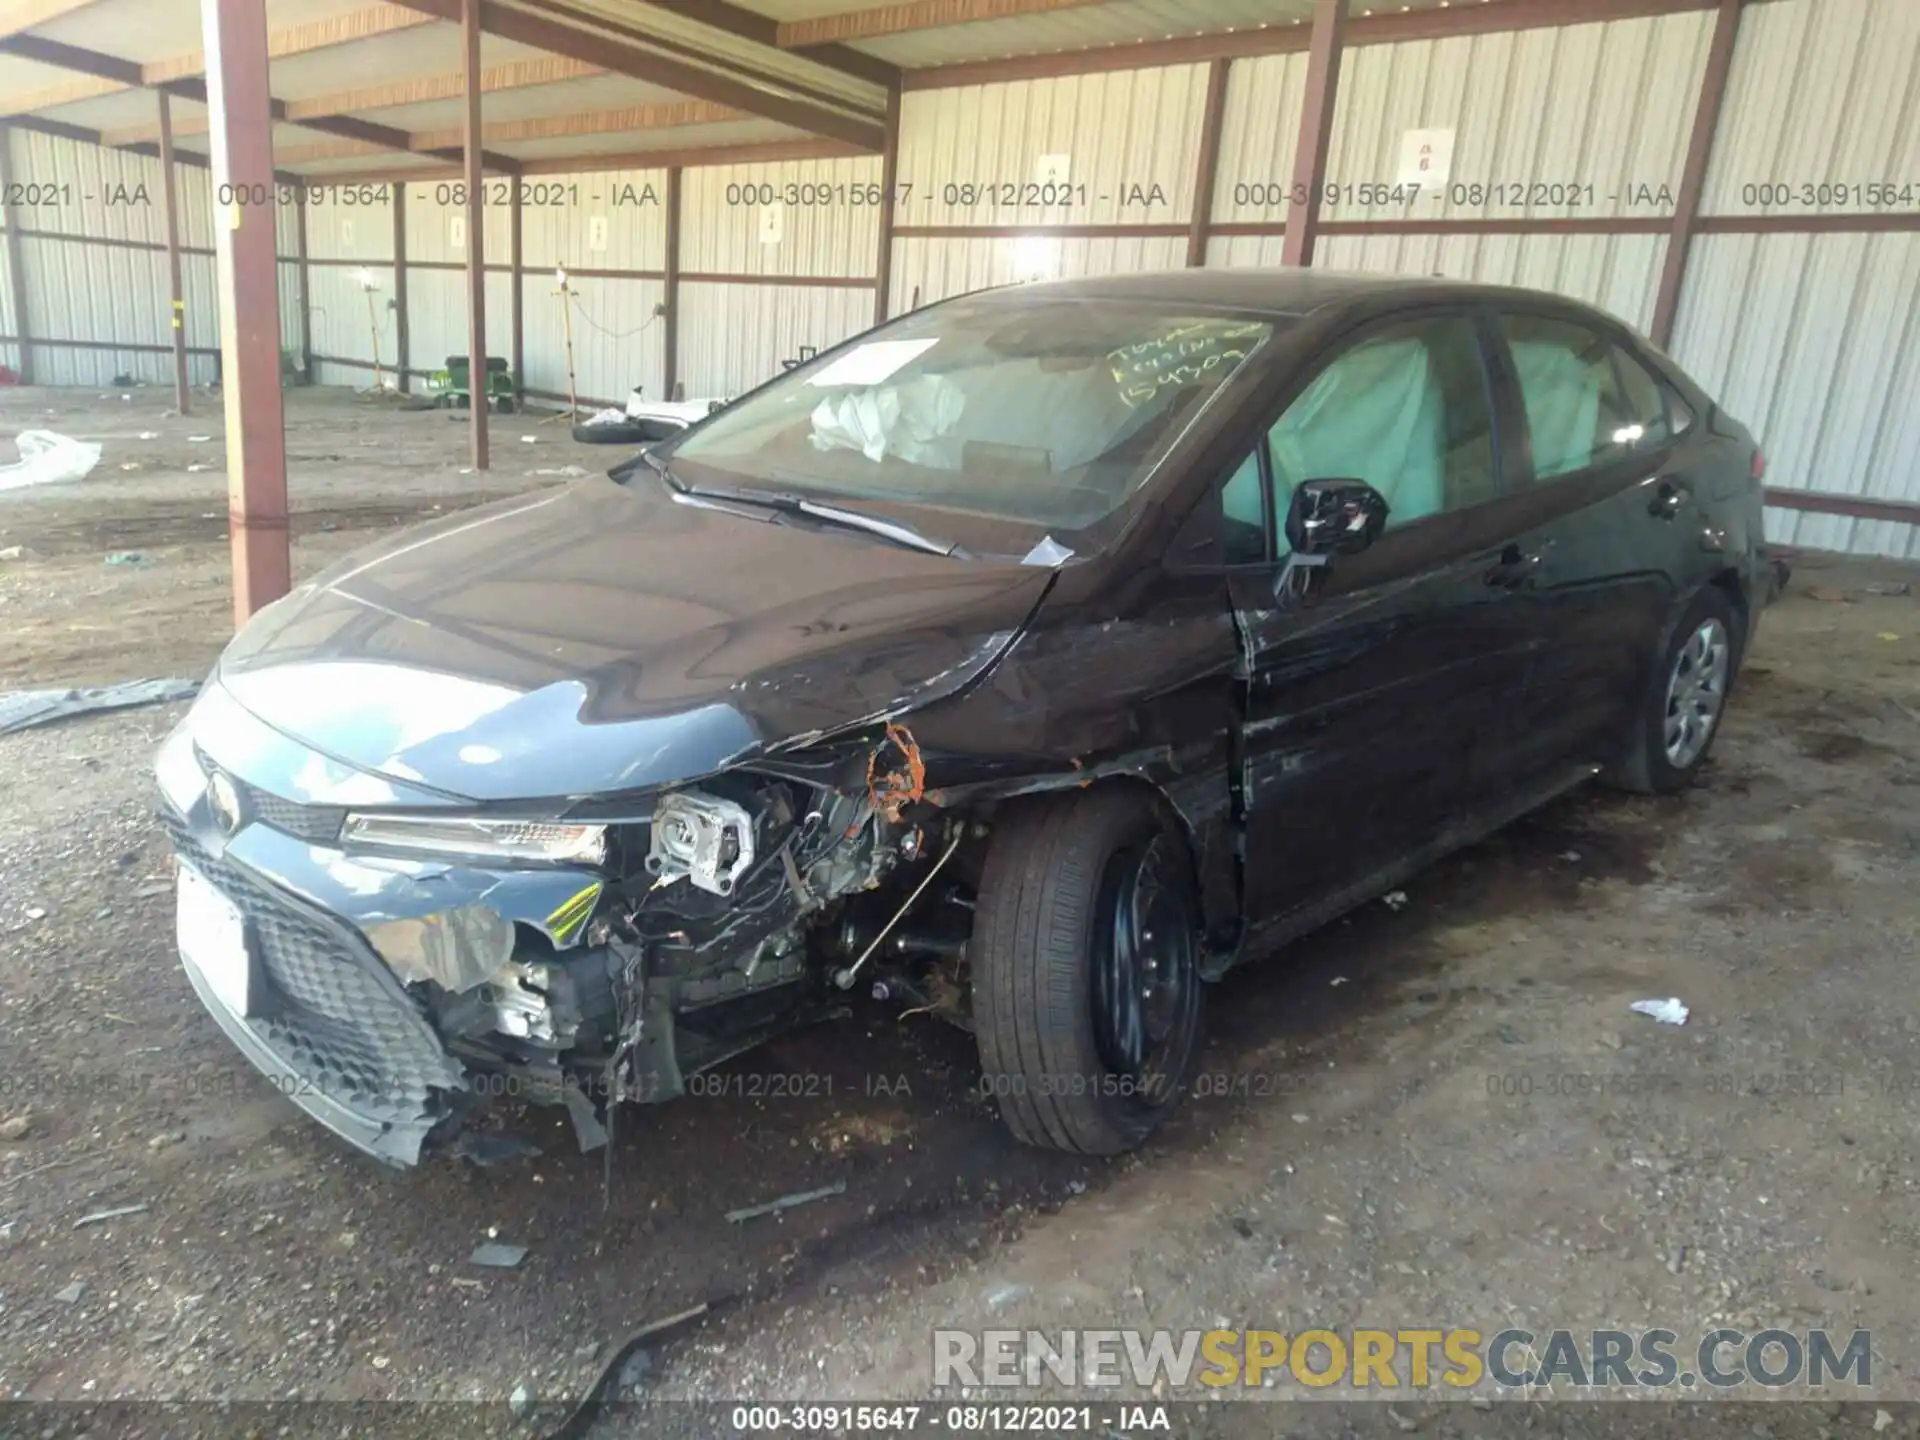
(592, 324)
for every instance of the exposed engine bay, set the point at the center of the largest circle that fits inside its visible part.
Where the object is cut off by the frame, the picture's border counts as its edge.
(736, 909)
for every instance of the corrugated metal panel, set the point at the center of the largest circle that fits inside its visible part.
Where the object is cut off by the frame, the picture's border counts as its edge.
(1260, 133)
(108, 293)
(437, 317)
(925, 270)
(1580, 120)
(1813, 342)
(1823, 92)
(339, 228)
(1124, 134)
(825, 215)
(437, 211)
(341, 325)
(291, 325)
(733, 337)
(86, 190)
(1618, 273)
(558, 213)
(617, 338)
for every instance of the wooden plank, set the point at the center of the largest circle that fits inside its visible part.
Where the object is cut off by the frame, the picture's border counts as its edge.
(544, 33)
(909, 15)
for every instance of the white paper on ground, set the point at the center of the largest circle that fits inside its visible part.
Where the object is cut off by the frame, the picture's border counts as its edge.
(47, 458)
(1668, 1012)
(871, 363)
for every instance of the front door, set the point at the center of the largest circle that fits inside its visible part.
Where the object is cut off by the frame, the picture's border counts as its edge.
(1372, 704)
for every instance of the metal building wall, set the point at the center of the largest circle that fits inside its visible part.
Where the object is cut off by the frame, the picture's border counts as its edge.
(1811, 338)
(93, 244)
(350, 241)
(773, 257)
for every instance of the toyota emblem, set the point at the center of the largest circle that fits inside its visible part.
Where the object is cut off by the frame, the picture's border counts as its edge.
(223, 799)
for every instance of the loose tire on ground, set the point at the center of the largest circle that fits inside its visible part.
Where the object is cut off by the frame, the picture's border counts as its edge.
(1647, 768)
(1043, 974)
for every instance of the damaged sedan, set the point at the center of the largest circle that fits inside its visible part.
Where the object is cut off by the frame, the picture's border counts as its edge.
(1028, 661)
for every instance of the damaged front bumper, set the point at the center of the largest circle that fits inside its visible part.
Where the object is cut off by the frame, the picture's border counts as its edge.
(314, 964)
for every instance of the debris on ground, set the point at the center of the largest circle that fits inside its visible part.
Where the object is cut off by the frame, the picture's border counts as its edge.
(15, 1127)
(70, 1294)
(1887, 589)
(1395, 900)
(521, 1401)
(786, 1202)
(136, 558)
(48, 458)
(581, 1420)
(100, 1217)
(1668, 1012)
(23, 709)
(1823, 592)
(498, 1256)
(13, 552)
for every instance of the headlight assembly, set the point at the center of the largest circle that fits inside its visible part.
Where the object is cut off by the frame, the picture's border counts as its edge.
(547, 841)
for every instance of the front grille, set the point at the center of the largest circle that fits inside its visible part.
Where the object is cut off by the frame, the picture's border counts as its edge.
(339, 1023)
(316, 824)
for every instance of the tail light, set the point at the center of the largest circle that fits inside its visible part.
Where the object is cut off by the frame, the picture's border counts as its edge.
(1759, 467)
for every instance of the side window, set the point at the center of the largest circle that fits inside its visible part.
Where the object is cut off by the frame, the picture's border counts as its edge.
(1587, 402)
(1404, 410)
(1243, 527)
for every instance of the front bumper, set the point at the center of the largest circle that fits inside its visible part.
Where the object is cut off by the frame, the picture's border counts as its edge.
(330, 1027)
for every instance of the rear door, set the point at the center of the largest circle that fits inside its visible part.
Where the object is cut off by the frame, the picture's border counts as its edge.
(1608, 501)
(1371, 705)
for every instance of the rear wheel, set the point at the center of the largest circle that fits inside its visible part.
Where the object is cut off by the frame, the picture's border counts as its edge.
(1086, 983)
(1680, 715)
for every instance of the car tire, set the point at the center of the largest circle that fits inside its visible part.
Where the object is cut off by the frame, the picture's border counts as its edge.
(1686, 699)
(1086, 969)
(612, 432)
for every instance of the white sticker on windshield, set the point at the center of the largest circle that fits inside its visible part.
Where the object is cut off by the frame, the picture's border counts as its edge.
(1048, 553)
(871, 363)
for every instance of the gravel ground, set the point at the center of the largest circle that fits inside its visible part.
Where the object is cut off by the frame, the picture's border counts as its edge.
(1442, 1114)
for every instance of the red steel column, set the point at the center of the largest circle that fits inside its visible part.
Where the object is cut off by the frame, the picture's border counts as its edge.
(1316, 130)
(16, 257)
(889, 173)
(1213, 120)
(182, 393)
(239, 108)
(476, 234)
(515, 323)
(1693, 171)
(670, 330)
(402, 342)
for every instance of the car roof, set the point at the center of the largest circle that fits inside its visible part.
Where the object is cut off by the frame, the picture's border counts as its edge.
(1273, 290)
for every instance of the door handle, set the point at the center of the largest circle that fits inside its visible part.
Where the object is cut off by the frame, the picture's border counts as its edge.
(1517, 569)
(1669, 498)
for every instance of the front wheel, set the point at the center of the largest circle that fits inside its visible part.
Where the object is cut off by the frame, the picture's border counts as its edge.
(1086, 976)
(1680, 715)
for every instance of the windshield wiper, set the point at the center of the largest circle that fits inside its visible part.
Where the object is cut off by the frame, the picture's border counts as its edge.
(787, 504)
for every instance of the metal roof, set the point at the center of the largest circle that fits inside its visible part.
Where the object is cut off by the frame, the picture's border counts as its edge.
(373, 86)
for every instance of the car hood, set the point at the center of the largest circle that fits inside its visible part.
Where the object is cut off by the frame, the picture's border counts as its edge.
(598, 638)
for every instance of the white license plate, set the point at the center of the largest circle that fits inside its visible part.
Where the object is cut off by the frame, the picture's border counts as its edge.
(213, 937)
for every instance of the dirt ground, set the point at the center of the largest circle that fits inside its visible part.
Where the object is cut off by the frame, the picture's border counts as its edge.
(1441, 1114)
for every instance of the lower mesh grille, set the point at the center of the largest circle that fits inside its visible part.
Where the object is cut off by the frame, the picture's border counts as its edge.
(338, 1023)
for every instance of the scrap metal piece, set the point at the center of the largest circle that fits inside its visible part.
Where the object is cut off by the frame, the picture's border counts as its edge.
(101, 1216)
(786, 1202)
(23, 709)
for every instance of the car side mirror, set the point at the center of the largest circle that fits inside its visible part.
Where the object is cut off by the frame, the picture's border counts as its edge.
(1335, 517)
